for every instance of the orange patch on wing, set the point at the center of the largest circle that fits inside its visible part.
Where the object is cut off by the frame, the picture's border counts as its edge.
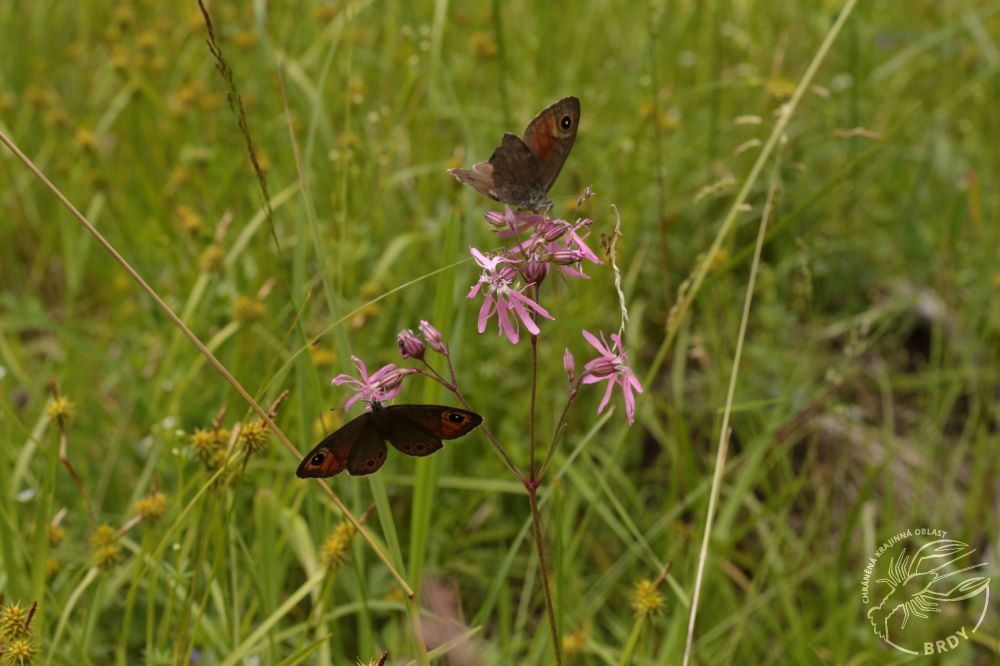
(542, 138)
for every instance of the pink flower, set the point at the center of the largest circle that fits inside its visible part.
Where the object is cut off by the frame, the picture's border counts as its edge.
(611, 366)
(385, 384)
(502, 298)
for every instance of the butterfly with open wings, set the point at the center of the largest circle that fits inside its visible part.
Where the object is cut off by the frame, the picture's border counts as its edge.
(359, 446)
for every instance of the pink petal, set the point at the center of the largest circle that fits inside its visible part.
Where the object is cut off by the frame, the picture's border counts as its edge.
(584, 249)
(350, 402)
(629, 403)
(344, 379)
(389, 395)
(596, 344)
(592, 379)
(381, 372)
(618, 342)
(607, 396)
(574, 273)
(634, 382)
(484, 312)
(480, 257)
(362, 368)
(525, 317)
(524, 300)
(506, 327)
(474, 290)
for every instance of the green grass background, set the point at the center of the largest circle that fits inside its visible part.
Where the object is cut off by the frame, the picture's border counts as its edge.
(867, 400)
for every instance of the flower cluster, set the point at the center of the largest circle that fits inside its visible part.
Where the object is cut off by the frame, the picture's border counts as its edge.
(17, 644)
(508, 274)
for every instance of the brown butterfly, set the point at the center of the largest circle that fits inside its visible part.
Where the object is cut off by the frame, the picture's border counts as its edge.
(520, 172)
(359, 447)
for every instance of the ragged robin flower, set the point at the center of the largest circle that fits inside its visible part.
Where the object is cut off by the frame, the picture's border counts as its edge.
(382, 385)
(502, 298)
(613, 367)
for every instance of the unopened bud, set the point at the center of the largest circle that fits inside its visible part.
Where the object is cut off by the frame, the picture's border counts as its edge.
(535, 271)
(410, 345)
(553, 231)
(569, 365)
(566, 257)
(433, 337)
(507, 272)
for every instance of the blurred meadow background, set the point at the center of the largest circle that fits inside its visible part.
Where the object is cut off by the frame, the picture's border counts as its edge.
(868, 394)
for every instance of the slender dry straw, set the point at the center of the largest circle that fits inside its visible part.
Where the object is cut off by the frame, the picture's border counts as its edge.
(777, 133)
(689, 290)
(724, 433)
(160, 303)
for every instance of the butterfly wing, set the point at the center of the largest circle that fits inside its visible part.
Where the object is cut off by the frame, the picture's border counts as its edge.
(512, 175)
(517, 179)
(480, 177)
(332, 455)
(551, 135)
(417, 430)
(368, 453)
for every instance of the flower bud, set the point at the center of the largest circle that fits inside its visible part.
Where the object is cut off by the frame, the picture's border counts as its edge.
(569, 365)
(566, 257)
(433, 337)
(553, 230)
(507, 272)
(535, 271)
(410, 345)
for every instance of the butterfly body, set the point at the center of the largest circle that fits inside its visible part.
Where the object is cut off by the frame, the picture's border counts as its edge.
(359, 446)
(521, 171)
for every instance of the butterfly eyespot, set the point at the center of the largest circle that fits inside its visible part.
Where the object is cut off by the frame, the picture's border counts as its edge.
(566, 122)
(371, 463)
(455, 417)
(317, 459)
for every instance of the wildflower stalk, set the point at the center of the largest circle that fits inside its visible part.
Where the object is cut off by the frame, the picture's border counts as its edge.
(574, 390)
(534, 393)
(536, 521)
(532, 487)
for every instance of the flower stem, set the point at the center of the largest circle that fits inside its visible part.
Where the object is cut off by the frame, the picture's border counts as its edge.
(531, 411)
(574, 389)
(536, 520)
